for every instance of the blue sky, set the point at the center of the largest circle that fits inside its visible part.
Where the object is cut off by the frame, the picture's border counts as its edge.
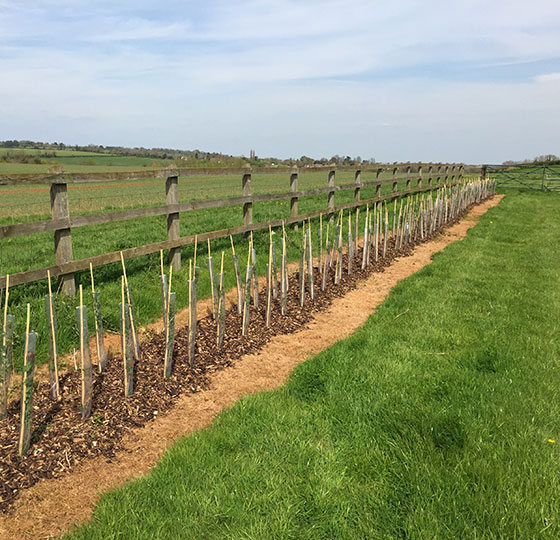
(474, 81)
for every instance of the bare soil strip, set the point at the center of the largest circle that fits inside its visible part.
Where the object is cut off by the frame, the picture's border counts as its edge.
(53, 506)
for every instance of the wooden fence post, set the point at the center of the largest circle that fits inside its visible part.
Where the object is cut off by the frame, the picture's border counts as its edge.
(408, 169)
(173, 228)
(395, 183)
(62, 237)
(419, 182)
(294, 200)
(358, 180)
(248, 206)
(330, 205)
(378, 186)
(430, 172)
(483, 172)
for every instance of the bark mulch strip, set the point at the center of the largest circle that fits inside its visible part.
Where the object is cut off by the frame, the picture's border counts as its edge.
(61, 439)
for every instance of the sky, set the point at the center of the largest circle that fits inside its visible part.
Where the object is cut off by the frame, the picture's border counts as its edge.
(456, 80)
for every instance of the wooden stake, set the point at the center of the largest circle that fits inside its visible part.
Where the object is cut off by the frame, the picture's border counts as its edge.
(99, 333)
(53, 349)
(193, 282)
(85, 356)
(213, 285)
(394, 217)
(237, 277)
(287, 283)
(269, 285)
(4, 324)
(283, 278)
(136, 350)
(247, 299)
(326, 265)
(340, 245)
(350, 244)
(127, 344)
(310, 261)
(274, 266)
(357, 231)
(27, 388)
(169, 328)
(169, 334)
(255, 274)
(221, 306)
(320, 242)
(301, 274)
(386, 232)
(365, 244)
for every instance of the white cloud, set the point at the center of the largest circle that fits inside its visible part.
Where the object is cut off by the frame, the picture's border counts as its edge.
(547, 77)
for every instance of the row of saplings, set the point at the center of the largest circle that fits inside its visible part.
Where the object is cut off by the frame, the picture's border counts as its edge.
(416, 219)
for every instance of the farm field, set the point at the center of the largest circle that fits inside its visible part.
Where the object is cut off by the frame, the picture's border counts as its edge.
(27, 252)
(438, 419)
(74, 161)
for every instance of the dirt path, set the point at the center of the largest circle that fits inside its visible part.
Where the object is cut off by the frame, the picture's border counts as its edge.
(52, 507)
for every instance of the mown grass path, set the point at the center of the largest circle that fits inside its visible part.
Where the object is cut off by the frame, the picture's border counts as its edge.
(438, 419)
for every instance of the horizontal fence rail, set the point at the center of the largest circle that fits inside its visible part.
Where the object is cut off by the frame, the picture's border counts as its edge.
(95, 177)
(61, 223)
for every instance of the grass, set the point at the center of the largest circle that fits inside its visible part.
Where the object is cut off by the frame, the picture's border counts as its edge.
(440, 423)
(34, 251)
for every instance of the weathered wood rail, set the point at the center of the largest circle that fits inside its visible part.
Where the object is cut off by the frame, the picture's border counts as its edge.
(61, 222)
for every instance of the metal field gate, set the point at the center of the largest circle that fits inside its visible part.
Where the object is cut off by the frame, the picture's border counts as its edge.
(535, 177)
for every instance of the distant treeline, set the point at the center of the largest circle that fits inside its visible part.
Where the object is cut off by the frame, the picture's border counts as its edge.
(549, 159)
(182, 157)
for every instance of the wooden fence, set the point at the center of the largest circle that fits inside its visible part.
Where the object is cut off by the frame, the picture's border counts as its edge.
(62, 223)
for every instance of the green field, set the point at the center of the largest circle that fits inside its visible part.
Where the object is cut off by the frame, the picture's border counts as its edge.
(74, 161)
(441, 423)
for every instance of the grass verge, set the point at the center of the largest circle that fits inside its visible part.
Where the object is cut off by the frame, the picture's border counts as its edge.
(435, 424)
